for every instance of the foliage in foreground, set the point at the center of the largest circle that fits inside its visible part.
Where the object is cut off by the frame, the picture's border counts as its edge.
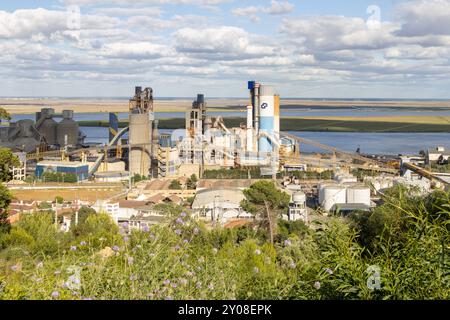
(406, 238)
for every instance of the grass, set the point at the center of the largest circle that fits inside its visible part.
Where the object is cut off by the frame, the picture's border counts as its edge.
(328, 124)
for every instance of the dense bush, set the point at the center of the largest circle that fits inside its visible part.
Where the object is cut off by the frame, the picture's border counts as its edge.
(59, 177)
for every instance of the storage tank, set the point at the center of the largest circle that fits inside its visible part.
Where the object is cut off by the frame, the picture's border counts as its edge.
(333, 195)
(299, 198)
(48, 127)
(358, 194)
(67, 130)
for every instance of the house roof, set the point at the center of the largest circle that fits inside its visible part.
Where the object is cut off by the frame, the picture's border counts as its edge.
(131, 204)
(226, 198)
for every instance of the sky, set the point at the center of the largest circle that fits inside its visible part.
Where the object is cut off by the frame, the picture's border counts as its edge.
(306, 48)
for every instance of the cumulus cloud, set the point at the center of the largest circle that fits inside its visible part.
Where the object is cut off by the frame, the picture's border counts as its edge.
(275, 8)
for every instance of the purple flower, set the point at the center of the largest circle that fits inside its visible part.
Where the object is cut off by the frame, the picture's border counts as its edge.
(257, 252)
(145, 229)
(180, 221)
(174, 285)
(317, 285)
(130, 261)
(116, 248)
(288, 243)
(211, 287)
(15, 268)
(55, 294)
(83, 243)
(178, 232)
(183, 214)
(73, 248)
(293, 265)
(125, 225)
(185, 241)
(126, 239)
(177, 247)
(166, 282)
(329, 271)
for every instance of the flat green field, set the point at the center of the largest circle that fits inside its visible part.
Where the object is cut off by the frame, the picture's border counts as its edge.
(327, 124)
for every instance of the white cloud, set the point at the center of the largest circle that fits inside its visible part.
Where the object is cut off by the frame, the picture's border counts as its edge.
(275, 8)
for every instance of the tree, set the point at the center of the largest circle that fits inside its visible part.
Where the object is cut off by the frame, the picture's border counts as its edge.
(265, 199)
(5, 200)
(4, 115)
(7, 161)
(175, 185)
(192, 182)
(59, 200)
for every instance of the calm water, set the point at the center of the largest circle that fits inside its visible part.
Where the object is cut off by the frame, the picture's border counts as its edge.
(376, 143)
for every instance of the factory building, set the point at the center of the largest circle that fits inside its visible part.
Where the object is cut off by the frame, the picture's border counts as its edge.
(27, 135)
(79, 169)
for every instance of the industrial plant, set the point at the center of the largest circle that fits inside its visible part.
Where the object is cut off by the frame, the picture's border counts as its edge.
(138, 149)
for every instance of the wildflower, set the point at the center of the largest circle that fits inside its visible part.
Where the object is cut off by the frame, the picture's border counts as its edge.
(211, 287)
(215, 250)
(288, 243)
(317, 285)
(151, 255)
(178, 232)
(166, 282)
(183, 214)
(196, 230)
(133, 277)
(186, 241)
(115, 248)
(152, 236)
(180, 221)
(293, 265)
(55, 294)
(126, 239)
(256, 270)
(130, 261)
(73, 248)
(15, 267)
(174, 285)
(257, 252)
(145, 229)
(83, 243)
(329, 271)
(39, 264)
(125, 225)
(189, 273)
(177, 247)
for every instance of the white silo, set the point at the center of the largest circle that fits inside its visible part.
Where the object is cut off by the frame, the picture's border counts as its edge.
(358, 194)
(333, 195)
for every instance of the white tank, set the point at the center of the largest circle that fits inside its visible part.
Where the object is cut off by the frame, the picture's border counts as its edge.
(320, 189)
(333, 195)
(358, 195)
(347, 179)
(299, 197)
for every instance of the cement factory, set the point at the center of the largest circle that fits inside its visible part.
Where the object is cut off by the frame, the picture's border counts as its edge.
(206, 143)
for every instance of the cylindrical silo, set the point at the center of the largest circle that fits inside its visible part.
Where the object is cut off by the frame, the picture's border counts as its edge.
(67, 130)
(358, 194)
(140, 144)
(333, 195)
(48, 128)
(266, 117)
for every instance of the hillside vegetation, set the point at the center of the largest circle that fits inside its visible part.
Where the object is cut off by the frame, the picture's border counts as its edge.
(406, 239)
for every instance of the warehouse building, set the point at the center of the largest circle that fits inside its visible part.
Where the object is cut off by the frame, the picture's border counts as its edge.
(79, 169)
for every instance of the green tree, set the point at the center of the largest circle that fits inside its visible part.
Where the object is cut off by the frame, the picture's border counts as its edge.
(7, 161)
(5, 200)
(192, 182)
(265, 199)
(59, 200)
(4, 115)
(175, 185)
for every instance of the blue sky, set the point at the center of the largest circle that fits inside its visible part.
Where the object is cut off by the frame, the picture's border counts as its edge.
(307, 48)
